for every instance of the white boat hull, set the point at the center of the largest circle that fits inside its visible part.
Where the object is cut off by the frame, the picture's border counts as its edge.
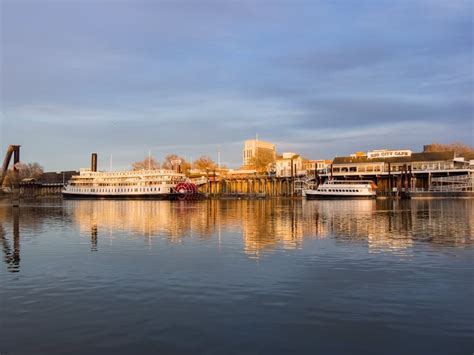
(312, 195)
(342, 190)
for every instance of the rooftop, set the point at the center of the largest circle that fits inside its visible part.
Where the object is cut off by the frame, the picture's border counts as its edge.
(431, 156)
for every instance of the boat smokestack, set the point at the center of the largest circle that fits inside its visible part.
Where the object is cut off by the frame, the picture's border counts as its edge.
(94, 162)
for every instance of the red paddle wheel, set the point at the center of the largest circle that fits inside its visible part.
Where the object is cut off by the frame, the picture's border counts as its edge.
(186, 190)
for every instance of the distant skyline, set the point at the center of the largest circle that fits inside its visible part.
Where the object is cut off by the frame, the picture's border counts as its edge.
(320, 78)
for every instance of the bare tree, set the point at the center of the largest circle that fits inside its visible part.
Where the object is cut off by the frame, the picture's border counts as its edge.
(459, 148)
(25, 171)
(145, 164)
(262, 159)
(172, 160)
(204, 162)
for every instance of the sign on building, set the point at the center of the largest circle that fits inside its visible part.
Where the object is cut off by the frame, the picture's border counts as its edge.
(384, 153)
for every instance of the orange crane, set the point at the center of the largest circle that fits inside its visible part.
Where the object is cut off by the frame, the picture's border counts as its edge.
(11, 150)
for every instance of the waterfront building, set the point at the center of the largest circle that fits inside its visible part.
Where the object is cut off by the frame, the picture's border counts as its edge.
(322, 166)
(254, 147)
(289, 164)
(399, 168)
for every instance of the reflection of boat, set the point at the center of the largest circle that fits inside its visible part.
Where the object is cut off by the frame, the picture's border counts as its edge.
(157, 184)
(343, 189)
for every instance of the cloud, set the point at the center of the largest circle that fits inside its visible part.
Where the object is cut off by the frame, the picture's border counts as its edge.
(321, 77)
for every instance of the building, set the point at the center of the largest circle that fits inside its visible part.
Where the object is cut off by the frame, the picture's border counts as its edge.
(320, 165)
(289, 164)
(254, 148)
(399, 168)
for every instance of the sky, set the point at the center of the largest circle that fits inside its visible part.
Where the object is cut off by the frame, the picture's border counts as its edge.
(319, 78)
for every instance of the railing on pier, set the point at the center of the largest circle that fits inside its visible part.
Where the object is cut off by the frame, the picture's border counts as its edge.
(452, 183)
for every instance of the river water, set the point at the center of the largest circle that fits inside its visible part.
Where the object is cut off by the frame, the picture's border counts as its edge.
(237, 277)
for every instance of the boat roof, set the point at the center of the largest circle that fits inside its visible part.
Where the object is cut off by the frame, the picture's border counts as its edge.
(348, 182)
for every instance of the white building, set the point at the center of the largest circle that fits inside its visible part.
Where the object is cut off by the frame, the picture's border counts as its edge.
(322, 166)
(284, 162)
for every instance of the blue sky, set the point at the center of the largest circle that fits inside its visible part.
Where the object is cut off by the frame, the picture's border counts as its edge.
(320, 78)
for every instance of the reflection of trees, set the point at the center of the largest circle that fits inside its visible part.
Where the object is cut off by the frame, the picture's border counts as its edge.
(264, 224)
(269, 224)
(145, 218)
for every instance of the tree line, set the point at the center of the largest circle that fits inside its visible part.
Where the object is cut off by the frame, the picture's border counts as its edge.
(260, 162)
(172, 161)
(459, 148)
(25, 171)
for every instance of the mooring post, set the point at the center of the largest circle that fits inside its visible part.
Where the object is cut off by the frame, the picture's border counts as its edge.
(389, 180)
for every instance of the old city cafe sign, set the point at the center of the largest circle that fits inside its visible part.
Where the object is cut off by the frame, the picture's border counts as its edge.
(384, 153)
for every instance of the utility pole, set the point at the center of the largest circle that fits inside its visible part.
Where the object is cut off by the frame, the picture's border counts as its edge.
(218, 156)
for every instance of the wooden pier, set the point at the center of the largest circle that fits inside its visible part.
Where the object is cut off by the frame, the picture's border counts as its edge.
(35, 190)
(252, 186)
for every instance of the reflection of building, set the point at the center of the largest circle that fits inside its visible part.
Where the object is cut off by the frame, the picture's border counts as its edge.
(267, 226)
(254, 148)
(257, 226)
(143, 218)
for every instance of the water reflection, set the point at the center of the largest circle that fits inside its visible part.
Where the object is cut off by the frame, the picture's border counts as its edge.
(11, 256)
(284, 224)
(264, 225)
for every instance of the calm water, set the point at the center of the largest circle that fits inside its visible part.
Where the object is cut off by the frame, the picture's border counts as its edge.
(237, 277)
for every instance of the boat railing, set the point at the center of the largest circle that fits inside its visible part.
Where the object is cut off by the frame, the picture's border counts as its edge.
(344, 182)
